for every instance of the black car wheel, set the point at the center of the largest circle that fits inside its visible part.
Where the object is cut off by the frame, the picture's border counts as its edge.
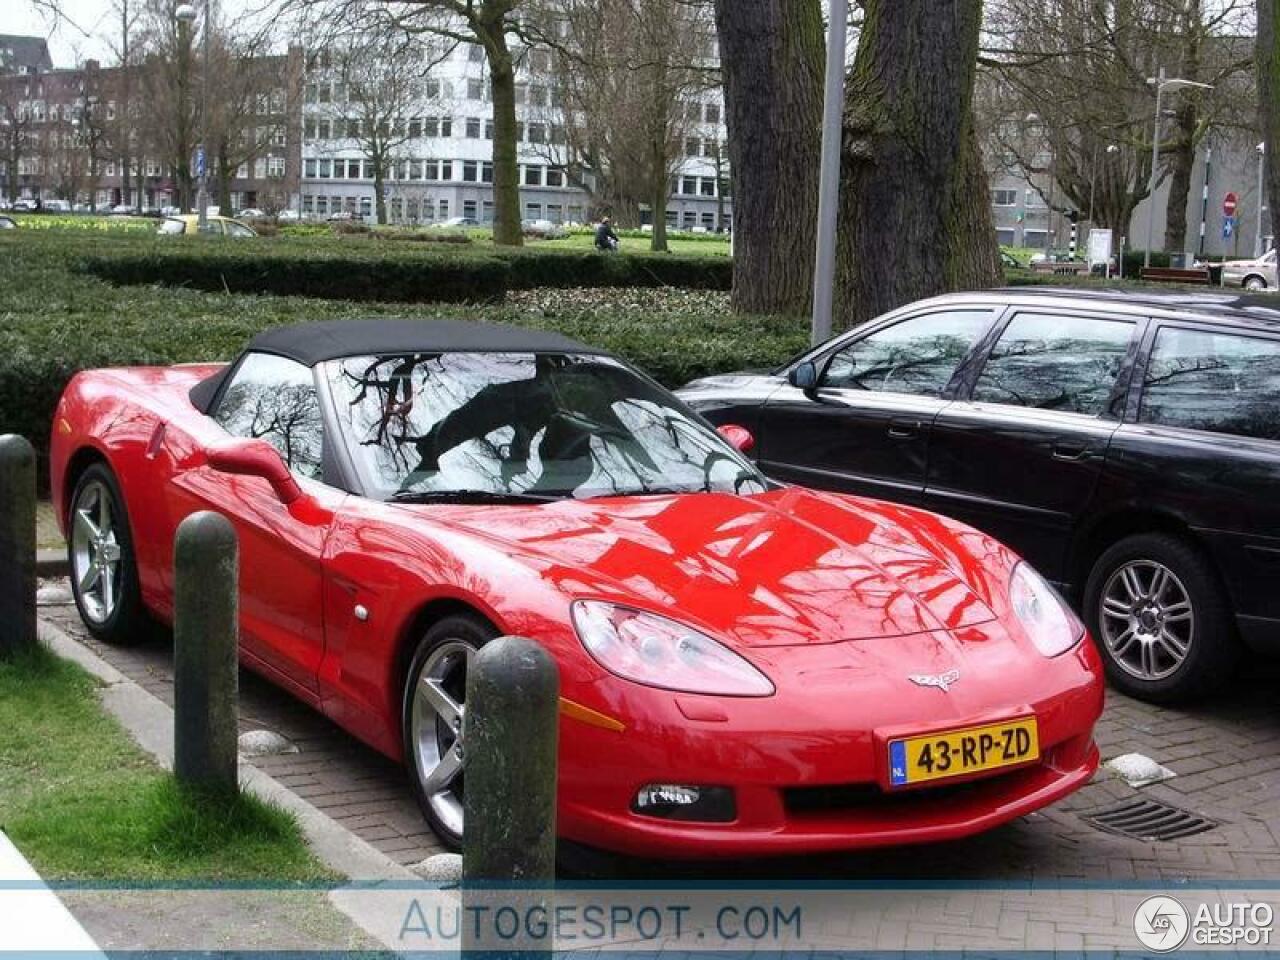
(434, 707)
(104, 573)
(1160, 619)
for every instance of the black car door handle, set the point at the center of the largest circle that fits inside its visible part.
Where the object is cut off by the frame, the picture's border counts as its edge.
(904, 429)
(1069, 451)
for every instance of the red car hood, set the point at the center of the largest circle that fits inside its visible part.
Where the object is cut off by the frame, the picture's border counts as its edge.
(779, 569)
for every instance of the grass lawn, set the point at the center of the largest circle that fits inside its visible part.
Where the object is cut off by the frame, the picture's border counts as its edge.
(82, 801)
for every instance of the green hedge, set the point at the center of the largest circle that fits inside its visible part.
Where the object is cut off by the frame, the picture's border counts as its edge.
(55, 320)
(248, 269)
(369, 272)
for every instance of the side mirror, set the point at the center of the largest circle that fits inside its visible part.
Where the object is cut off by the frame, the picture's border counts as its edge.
(804, 377)
(256, 458)
(739, 438)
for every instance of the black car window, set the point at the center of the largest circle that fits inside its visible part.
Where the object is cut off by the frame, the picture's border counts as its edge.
(1055, 362)
(916, 356)
(274, 399)
(1208, 380)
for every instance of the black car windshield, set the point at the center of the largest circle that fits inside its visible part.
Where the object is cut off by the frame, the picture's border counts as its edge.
(449, 425)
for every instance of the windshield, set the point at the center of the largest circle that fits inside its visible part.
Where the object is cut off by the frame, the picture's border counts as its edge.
(550, 425)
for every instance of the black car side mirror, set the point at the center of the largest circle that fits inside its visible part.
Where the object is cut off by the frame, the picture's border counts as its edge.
(804, 376)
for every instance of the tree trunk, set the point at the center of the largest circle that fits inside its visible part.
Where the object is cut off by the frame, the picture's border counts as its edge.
(1181, 158)
(661, 191)
(506, 167)
(914, 199)
(772, 59)
(1268, 57)
(379, 191)
(225, 172)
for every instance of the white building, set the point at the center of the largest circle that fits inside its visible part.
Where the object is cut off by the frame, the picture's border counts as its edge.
(443, 168)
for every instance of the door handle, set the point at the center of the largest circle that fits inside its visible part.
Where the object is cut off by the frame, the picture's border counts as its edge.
(1070, 452)
(903, 429)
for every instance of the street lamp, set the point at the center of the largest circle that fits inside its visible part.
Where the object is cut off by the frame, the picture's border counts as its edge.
(1262, 162)
(1034, 118)
(186, 13)
(1161, 83)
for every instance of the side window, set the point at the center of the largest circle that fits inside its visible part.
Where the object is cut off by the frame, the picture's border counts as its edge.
(238, 230)
(1055, 362)
(1204, 380)
(916, 356)
(274, 399)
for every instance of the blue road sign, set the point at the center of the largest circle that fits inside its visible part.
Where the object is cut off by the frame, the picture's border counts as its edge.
(1228, 227)
(199, 164)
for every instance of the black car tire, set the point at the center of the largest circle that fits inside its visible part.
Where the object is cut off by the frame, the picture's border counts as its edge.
(448, 635)
(126, 623)
(1213, 649)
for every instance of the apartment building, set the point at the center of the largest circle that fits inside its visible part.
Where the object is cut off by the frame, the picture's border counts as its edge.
(441, 164)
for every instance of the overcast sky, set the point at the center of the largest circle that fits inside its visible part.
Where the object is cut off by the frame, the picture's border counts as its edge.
(79, 35)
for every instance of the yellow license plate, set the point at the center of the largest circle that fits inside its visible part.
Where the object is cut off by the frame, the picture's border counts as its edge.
(957, 753)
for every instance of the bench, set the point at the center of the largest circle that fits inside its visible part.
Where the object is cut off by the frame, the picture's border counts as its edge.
(1067, 268)
(1199, 275)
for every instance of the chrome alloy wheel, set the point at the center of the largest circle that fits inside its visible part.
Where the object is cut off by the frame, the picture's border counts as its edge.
(437, 715)
(1148, 623)
(95, 552)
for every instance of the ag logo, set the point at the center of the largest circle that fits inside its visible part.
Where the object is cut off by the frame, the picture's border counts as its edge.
(1162, 924)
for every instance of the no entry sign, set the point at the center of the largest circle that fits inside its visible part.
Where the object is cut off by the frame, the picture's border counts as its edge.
(1229, 205)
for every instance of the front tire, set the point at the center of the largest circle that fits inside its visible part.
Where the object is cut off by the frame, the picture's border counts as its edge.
(1160, 619)
(102, 562)
(1255, 283)
(434, 706)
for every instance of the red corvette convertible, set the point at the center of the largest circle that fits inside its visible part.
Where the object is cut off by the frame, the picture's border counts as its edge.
(746, 667)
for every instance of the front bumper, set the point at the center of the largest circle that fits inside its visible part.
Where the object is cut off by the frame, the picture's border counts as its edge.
(814, 782)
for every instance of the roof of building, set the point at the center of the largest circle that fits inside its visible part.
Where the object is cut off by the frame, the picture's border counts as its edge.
(17, 53)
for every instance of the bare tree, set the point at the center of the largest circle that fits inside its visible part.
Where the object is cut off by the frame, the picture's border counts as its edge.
(915, 203)
(378, 85)
(772, 58)
(491, 25)
(15, 136)
(628, 81)
(1268, 60)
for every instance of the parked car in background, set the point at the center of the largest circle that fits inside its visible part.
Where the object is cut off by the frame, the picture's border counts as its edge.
(189, 224)
(542, 229)
(252, 213)
(288, 216)
(25, 206)
(1259, 274)
(744, 668)
(124, 208)
(8, 223)
(467, 222)
(1054, 256)
(1127, 445)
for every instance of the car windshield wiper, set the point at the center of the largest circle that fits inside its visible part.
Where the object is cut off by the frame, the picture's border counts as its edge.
(469, 496)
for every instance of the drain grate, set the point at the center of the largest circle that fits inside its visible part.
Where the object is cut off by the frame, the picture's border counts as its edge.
(1149, 820)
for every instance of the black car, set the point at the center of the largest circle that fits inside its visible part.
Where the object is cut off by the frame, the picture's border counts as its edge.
(1126, 444)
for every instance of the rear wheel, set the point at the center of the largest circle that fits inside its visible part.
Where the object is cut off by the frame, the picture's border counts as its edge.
(433, 712)
(1255, 283)
(104, 572)
(1160, 619)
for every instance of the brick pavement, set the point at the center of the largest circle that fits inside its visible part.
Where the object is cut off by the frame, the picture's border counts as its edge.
(1226, 754)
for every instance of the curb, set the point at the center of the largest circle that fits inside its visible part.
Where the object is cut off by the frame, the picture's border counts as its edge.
(149, 721)
(52, 563)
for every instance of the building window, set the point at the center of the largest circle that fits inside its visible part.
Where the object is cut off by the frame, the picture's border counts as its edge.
(309, 169)
(486, 172)
(444, 209)
(1005, 236)
(470, 171)
(476, 53)
(537, 96)
(446, 169)
(368, 169)
(689, 186)
(326, 169)
(555, 213)
(692, 147)
(488, 129)
(475, 88)
(1034, 238)
(533, 176)
(415, 169)
(486, 212)
(713, 113)
(415, 128)
(537, 133)
(575, 213)
(708, 186)
(275, 166)
(473, 128)
(1034, 199)
(431, 127)
(555, 178)
(533, 211)
(323, 129)
(470, 209)
(366, 206)
(1004, 198)
(308, 203)
(690, 220)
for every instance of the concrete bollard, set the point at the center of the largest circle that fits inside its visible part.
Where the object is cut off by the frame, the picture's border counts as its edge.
(511, 734)
(206, 571)
(17, 545)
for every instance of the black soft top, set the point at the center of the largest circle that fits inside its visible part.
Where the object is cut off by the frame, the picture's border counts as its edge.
(312, 343)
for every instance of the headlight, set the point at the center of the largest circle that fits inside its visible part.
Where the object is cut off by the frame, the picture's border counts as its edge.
(1051, 624)
(658, 652)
